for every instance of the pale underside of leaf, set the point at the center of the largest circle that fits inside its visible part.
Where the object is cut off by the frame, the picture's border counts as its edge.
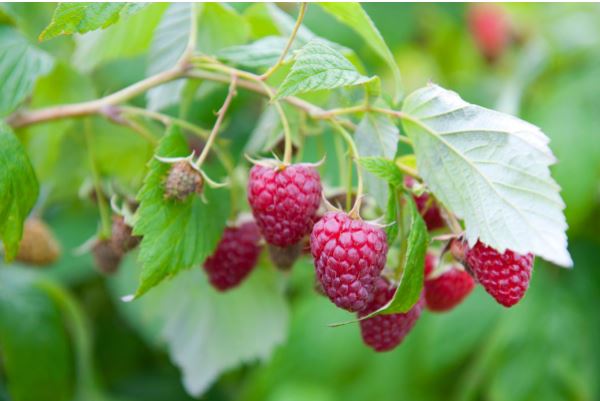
(376, 135)
(208, 332)
(492, 170)
(168, 44)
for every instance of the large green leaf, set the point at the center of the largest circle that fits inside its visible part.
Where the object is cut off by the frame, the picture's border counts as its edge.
(36, 357)
(131, 37)
(490, 169)
(20, 65)
(353, 15)
(168, 44)
(208, 332)
(177, 235)
(262, 53)
(318, 66)
(413, 265)
(376, 135)
(43, 141)
(220, 26)
(18, 190)
(70, 18)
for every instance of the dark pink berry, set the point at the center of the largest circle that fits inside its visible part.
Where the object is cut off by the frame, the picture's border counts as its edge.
(349, 256)
(447, 290)
(428, 208)
(284, 201)
(235, 257)
(505, 276)
(490, 29)
(386, 332)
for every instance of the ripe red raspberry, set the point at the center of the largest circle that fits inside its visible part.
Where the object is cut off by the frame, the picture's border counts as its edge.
(182, 181)
(447, 290)
(490, 28)
(235, 257)
(284, 201)
(349, 255)
(385, 332)
(428, 208)
(504, 276)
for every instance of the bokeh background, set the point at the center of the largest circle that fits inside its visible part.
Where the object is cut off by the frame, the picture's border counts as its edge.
(546, 348)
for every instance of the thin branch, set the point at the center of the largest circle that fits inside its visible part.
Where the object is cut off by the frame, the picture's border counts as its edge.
(220, 117)
(21, 119)
(288, 45)
(165, 119)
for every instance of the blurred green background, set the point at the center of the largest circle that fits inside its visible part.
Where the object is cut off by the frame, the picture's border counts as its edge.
(546, 348)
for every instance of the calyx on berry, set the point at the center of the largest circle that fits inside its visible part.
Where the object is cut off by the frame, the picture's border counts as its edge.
(185, 178)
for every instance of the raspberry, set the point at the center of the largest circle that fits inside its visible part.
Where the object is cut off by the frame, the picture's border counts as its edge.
(107, 256)
(284, 258)
(490, 29)
(235, 256)
(385, 332)
(182, 181)
(427, 207)
(447, 290)
(38, 246)
(349, 255)
(122, 236)
(284, 201)
(504, 276)
(430, 262)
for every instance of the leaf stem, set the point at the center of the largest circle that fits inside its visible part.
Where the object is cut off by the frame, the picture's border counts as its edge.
(220, 117)
(192, 38)
(165, 119)
(105, 228)
(288, 45)
(355, 211)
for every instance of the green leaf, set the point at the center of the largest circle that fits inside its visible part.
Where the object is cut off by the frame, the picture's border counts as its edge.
(20, 65)
(318, 66)
(168, 44)
(36, 354)
(208, 332)
(44, 141)
(220, 26)
(131, 37)
(177, 235)
(70, 18)
(413, 263)
(490, 169)
(392, 215)
(263, 53)
(353, 15)
(376, 135)
(384, 169)
(18, 190)
(268, 132)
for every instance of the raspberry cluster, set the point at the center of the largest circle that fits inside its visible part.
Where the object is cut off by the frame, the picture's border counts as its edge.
(235, 256)
(349, 256)
(385, 332)
(446, 290)
(505, 276)
(284, 201)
